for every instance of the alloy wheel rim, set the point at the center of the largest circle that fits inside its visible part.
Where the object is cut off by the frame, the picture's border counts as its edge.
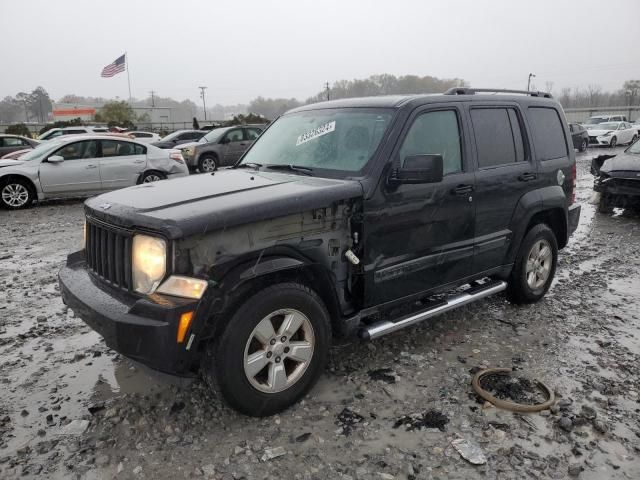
(539, 263)
(208, 164)
(151, 178)
(279, 351)
(15, 194)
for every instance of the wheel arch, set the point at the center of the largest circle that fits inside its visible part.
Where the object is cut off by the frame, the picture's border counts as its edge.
(9, 176)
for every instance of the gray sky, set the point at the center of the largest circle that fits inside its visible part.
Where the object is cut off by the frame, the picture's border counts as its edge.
(289, 48)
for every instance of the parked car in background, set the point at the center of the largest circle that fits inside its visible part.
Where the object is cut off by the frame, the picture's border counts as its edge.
(611, 134)
(178, 138)
(636, 125)
(208, 128)
(579, 136)
(16, 154)
(82, 166)
(220, 147)
(596, 119)
(617, 179)
(13, 143)
(58, 132)
(145, 137)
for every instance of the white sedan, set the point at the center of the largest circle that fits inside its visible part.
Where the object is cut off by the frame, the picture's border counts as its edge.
(75, 166)
(611, 133)
(145, 137)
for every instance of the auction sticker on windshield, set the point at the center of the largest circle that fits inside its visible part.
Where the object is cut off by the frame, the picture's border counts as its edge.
(316, 132)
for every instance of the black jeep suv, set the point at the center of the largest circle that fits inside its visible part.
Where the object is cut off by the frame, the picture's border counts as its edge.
(340, 212)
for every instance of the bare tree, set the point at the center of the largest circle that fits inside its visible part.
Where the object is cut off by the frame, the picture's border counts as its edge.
(593, 93)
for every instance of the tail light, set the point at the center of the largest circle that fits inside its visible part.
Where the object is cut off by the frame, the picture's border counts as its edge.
(176, 156)
(574, 182)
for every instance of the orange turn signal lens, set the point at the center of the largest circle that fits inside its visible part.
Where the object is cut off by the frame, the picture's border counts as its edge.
(183, 326)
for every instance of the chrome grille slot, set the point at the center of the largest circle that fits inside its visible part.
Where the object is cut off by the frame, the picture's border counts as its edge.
(108, 253)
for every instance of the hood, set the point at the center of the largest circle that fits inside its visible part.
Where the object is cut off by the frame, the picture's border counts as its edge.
(624, 162)
(596, 132)
(10, 163)
(200, 203)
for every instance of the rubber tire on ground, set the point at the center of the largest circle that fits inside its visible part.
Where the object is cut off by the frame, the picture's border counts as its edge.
(24, 183)
(604, 204)
(201, 161)
(614, 142)
(583, 146)
(152, 172)
(518, 290)
(223, 363)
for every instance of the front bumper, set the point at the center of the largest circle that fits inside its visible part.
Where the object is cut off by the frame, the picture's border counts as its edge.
(573, 217)
(143, 329)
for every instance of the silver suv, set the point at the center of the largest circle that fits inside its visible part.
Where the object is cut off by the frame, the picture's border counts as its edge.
(220, 147)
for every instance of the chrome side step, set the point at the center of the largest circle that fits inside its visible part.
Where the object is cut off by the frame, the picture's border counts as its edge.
(473, 294)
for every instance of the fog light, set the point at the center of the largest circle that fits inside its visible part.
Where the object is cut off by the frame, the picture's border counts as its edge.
(183, 326)
(186, 287)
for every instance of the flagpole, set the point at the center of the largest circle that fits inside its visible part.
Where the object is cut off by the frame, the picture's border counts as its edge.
(126, 59)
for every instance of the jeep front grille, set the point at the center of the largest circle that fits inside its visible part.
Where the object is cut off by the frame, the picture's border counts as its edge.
(108, 253)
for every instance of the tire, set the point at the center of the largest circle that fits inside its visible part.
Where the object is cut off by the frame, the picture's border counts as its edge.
(583, 146)
(614, 142)
(279, 380)
(530, 280)
(604, 204)
(634, 139)
(16, 193)
(152, 176)
(208, 163)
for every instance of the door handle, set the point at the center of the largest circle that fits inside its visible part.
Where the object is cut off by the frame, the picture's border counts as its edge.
(138, 161)
(462, 189)
(242, 144)
(88, 167)
(525, 177)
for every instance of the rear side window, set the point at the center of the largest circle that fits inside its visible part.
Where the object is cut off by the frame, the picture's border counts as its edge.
(74, 132)
(435, 133)
(548, 134)
(498, 136)
(114, 148)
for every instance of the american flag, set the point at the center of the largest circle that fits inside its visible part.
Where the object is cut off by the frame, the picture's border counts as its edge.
(116, 67)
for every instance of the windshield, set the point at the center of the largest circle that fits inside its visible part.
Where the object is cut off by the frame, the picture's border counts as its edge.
(332, 139)
(595, 121)
(214, 135)
(603, 126)
(40, 149)
(635, 148)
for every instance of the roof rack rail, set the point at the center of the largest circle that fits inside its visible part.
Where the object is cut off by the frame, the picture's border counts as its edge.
(473, 91)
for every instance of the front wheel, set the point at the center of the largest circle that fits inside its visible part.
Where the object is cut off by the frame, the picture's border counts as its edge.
(207, 163)
(535, 266)
(583, 146)
(272, 350)
(16, 193)
(614, 142)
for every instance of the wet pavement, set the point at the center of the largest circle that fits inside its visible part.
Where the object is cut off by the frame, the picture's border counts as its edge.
(71, 408)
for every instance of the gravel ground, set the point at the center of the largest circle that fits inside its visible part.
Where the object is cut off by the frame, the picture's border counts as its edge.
(390, 409)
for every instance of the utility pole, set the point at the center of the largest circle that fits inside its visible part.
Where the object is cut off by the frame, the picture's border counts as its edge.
(326, 86)
(204, 105)
(153, 98)
(531, 75)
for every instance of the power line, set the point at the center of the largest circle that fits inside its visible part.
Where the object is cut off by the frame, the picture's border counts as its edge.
(204, 105)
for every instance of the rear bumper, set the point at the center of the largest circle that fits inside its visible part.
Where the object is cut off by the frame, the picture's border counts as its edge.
(143, 329)
(573, 218)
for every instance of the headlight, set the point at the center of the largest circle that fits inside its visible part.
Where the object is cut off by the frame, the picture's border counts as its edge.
(189, 151)
(186, 287)
(608, 134)
(149, 262)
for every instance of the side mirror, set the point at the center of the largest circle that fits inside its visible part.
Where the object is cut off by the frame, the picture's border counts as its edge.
(55, 159)
(418, 169)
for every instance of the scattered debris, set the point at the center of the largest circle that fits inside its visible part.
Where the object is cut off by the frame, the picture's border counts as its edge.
(429, 419)
(271, 453)
(383, 374)
(470, 451)
(348, 419)
(75, 427)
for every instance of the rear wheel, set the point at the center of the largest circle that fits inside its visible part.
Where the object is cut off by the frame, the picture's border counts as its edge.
(208, 163)
(16, 194)
(535, 265)
(153, 176)
(272, 350)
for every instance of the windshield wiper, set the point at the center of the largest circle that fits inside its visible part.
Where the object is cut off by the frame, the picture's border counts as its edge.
(249, 165)
(292, 168)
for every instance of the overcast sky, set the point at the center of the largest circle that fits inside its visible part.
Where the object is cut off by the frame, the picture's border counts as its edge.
(289, 48)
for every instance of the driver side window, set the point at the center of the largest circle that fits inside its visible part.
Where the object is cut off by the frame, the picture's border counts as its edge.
(77, 150)
(435, 133)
